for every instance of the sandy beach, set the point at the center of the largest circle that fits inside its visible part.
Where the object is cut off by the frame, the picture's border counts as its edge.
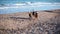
(19, 23)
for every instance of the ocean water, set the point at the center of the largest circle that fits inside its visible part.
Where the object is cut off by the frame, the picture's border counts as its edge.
(13, 6)
(17, 1)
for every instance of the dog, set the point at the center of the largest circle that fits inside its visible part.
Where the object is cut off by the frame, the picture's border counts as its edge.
(33, 15)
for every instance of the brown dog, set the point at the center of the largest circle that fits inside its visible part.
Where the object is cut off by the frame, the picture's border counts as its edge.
(33, 15)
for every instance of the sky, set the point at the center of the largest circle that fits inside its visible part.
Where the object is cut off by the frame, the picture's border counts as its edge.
(12, 6)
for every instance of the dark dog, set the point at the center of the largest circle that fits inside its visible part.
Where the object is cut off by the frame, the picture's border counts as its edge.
(33, 15)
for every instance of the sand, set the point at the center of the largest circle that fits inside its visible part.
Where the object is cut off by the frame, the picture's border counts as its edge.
(19, 23)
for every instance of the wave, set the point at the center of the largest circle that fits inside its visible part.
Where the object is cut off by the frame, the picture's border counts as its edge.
(35, 3)
(27, 4)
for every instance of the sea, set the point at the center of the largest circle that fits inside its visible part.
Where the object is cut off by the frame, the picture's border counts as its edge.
(13, 6)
